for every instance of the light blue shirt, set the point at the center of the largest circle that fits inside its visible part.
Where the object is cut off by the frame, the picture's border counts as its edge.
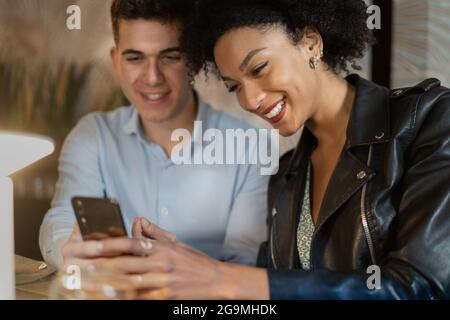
(218, 209)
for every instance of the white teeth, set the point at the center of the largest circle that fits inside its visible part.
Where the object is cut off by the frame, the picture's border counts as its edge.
(153, 97)
(275, 111)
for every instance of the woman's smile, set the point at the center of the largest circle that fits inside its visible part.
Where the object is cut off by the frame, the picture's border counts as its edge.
(276, 111)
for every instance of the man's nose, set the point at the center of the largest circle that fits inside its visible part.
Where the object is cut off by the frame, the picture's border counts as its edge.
(152, 74)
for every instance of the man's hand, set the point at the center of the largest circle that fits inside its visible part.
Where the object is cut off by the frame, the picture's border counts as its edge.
(84, 253)
(144, 229)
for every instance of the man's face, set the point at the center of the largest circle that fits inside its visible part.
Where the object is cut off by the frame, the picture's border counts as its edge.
(151, 70)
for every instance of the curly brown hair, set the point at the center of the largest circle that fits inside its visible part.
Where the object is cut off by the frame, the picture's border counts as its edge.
(341, 23)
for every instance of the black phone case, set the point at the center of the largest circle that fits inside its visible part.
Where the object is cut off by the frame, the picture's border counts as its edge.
(98, 218)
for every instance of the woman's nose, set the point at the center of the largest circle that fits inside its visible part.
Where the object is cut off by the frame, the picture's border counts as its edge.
(251, 98)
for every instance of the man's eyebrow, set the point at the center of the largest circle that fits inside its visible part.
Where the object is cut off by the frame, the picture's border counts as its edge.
(249, 57)
(131, 51)
(134, 51)
(171, 50)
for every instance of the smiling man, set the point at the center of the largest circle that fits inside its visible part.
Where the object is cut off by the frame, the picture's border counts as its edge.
(125, 154)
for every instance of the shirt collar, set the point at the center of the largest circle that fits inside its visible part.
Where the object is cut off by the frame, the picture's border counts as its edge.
(133, 124)
(369, 119)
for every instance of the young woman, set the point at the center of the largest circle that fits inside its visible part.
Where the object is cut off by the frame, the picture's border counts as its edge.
(361, 208)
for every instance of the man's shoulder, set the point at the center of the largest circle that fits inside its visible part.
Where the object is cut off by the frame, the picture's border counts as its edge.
(101, 121)
(101, 124)
(114, 118)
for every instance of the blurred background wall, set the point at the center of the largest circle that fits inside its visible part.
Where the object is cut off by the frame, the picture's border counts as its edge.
(51, 76)
(421, 41)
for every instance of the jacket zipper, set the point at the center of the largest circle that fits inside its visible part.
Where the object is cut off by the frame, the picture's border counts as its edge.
(364, 219)
(274, 212)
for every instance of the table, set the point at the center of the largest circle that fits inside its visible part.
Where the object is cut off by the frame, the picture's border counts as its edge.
(39, 290)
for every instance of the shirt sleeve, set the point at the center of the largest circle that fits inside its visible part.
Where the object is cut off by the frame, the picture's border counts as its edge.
(247, 226)
(79, 175)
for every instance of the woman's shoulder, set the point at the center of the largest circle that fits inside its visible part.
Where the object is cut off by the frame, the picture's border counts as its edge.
(419, 109)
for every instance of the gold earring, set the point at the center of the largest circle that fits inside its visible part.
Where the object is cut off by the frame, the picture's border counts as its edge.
(314, 62)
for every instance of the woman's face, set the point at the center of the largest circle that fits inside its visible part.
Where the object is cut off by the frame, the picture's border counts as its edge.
(270, 75)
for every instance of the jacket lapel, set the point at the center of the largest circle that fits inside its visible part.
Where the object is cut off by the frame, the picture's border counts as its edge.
(368, 124)
(287, 205)
(348, 177)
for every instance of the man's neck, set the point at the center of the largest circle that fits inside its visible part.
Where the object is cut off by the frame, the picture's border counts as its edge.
(160, 133)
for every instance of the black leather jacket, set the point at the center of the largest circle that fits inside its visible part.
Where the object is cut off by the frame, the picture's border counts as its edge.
(387, 203)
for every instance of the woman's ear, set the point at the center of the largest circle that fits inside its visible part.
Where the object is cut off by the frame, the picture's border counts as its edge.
(311, 40)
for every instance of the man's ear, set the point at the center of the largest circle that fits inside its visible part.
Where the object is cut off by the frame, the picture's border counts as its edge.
(113, 54)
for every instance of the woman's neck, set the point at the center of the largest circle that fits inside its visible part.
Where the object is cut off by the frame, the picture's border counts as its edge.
(329, 123)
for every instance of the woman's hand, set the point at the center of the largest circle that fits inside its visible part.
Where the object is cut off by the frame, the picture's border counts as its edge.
(160, 267)
(177, 271)
(174, 270)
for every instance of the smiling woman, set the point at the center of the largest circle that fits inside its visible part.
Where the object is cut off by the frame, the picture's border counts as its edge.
(370, 167)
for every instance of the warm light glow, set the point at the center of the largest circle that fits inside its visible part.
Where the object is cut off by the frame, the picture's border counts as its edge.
(19, 150)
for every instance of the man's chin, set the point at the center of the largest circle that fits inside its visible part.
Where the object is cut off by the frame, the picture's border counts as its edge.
(156, 118)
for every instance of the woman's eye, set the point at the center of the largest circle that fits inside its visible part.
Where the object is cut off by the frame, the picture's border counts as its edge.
(258, 69)
(232, 88)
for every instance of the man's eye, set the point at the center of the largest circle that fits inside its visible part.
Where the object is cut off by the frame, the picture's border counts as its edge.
(133, 58)
(258, 69)
(172, 58)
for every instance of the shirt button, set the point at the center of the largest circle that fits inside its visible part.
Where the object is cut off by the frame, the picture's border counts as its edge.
(164, 211)
(361, 175)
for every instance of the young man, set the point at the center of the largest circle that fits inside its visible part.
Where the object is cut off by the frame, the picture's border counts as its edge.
(125, 154)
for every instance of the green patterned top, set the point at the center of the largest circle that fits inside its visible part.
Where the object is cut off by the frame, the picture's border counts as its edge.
(305, 227)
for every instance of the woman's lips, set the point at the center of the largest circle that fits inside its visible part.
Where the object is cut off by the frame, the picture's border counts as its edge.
(276, 112)
(280, 115)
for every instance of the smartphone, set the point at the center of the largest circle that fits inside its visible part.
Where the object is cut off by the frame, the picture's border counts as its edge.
(98, 218)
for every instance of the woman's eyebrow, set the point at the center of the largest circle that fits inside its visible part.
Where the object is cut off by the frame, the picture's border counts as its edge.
(244, 62)
(249, 57)
(225, 78)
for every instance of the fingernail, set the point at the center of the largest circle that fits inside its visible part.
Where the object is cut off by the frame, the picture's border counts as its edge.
(140, 279)
(90, 268)
(99, 246)
(146, 244)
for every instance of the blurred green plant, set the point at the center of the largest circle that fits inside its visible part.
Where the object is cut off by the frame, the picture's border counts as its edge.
(46, 100)
(42, 101)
